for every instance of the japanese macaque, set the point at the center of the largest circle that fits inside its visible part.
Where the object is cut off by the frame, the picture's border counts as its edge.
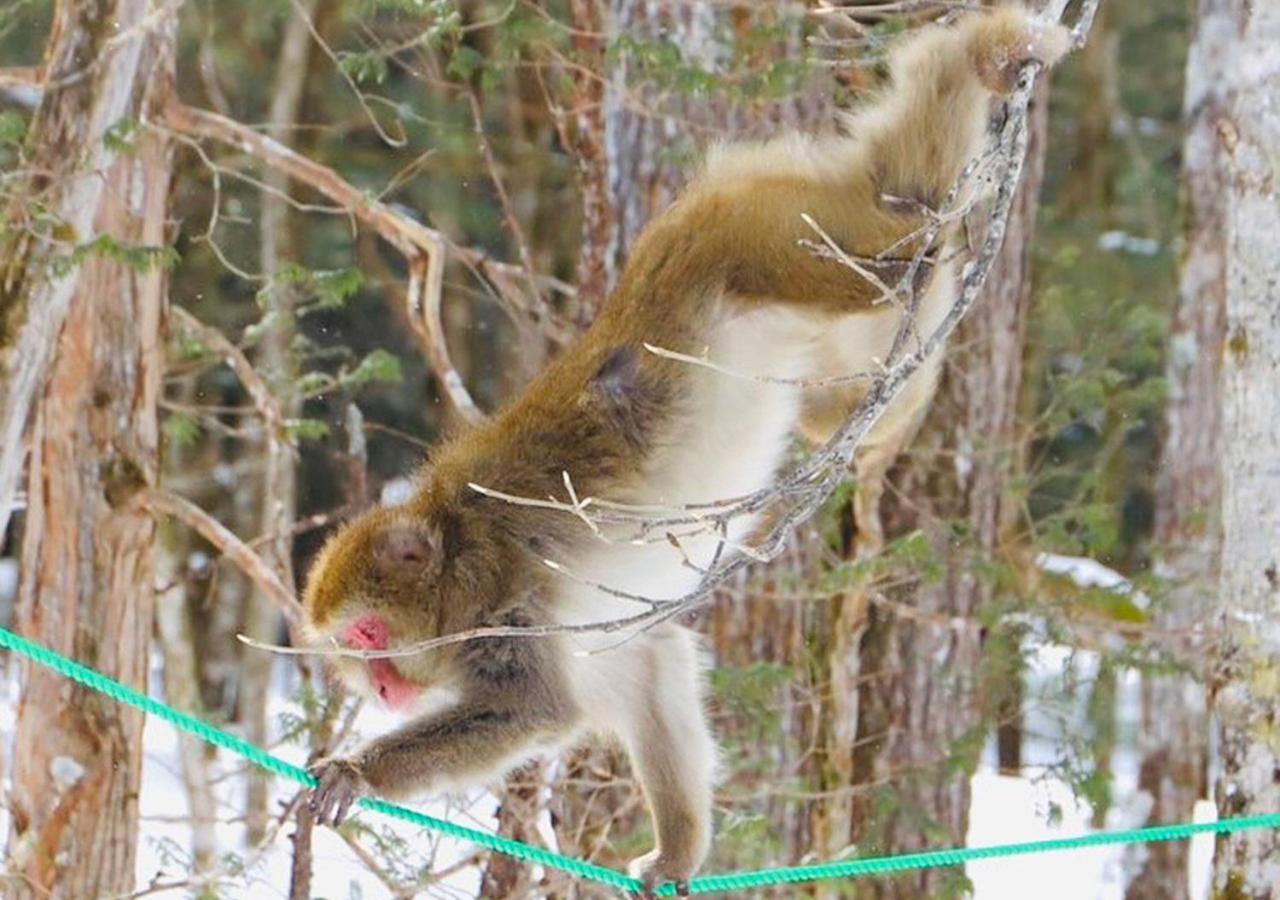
(723, 274)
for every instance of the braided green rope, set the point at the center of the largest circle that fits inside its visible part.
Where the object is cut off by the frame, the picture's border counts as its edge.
(706, 884)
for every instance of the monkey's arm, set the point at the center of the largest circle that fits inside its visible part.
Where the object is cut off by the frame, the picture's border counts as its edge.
(471, 742)
(513, 698)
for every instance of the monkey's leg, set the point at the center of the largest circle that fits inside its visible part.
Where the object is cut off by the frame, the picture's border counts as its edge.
(673, 754)
(744, 219)
(890, 436)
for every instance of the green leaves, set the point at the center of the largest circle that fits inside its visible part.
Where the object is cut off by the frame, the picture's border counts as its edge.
(314, 289)
(363, 67)
(379, 365)
(306, 429)
(121, 136)
(465, 62)
(139, 258)
(181, 429)
(13, 129)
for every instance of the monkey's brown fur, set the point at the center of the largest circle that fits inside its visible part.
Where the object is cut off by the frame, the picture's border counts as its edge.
(718, 268)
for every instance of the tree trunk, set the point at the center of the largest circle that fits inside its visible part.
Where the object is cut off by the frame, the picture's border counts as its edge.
(620, 151)
(279, 484)
(1188, 534)
(182, 689)
(1247, 676)
(1091, 176)
(907, 709)
(87, 567)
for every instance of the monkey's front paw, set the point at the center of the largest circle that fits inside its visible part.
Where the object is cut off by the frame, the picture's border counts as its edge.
(339, 785)
(655, 869)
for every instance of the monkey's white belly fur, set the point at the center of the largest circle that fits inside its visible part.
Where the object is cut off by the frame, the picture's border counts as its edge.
(731, 441)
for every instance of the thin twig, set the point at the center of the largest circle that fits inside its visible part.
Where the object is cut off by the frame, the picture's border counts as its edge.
(212, 338)
(423, 247)
(259, 571)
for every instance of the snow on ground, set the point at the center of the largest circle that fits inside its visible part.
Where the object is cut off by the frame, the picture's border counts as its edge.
(163, 855)
(1005, 810)
(1010, 809)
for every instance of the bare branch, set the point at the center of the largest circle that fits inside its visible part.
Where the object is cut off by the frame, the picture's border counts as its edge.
(265, 402)
(259, 571)
(422, 247)
(703, 362)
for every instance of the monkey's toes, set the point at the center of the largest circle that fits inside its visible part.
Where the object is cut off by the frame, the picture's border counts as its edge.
(338, 786)
(654, 870)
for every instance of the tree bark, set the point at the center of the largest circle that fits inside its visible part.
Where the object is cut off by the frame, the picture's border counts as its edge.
(1188, 529)
(87, 563)
(1091, 177)
(1247, 665)
(69, 154)
(620, 150)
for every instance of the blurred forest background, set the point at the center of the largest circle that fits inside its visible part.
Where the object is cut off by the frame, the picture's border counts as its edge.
(256, 352)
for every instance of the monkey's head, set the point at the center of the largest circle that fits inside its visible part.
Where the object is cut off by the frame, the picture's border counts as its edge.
(395, 577)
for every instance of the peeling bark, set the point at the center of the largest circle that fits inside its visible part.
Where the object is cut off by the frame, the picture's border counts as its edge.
(97, 64)
(87, 560)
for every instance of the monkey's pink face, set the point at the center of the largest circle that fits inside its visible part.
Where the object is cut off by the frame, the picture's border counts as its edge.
(370, 632)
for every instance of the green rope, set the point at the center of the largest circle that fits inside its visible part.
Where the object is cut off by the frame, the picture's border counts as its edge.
(706, 884)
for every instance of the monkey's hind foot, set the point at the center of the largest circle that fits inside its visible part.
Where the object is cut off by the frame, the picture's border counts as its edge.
(339, 785)
(1003, 41)
(649, 891)
(654, 870)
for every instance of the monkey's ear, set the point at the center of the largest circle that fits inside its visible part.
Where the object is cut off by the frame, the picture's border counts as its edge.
(406, 546)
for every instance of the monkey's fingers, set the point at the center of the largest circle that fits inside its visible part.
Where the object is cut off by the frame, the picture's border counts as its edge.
(345, 801)
(338, 787)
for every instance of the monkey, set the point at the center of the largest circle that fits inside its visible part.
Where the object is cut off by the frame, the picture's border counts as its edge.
(721, 272)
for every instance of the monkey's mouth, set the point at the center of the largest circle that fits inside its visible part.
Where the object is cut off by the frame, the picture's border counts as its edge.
(394, 690)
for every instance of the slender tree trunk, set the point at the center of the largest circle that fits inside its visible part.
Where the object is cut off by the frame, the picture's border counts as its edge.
(279, 488)
(1247, 665)
(908, 704)
(625, 156)
(1091, 177)
(1188, 525)
(182, 689)
(87, 566)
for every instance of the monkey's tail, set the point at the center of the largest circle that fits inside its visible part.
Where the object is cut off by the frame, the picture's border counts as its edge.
(931, 120)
